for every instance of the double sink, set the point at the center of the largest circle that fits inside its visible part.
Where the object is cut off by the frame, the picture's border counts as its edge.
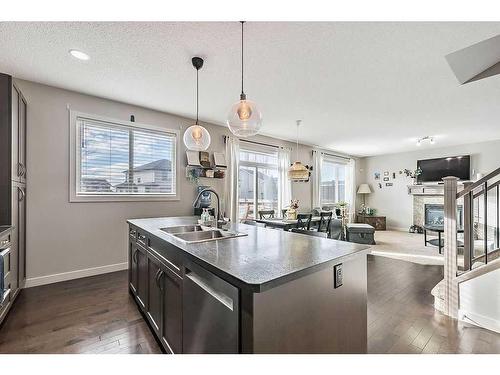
(198, 233)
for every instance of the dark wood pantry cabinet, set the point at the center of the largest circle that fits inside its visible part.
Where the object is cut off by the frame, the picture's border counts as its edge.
(13, 174)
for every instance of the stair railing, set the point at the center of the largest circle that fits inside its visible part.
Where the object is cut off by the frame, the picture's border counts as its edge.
(471, 193)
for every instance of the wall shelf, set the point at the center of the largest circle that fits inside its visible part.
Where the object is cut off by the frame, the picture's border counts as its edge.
(201, 171)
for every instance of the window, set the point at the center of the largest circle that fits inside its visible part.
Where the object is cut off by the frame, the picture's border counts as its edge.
(258, 180)
(115, 160)
(333, 182)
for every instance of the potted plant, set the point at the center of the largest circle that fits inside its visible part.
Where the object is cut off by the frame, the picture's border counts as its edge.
(413, 174)
(291, 213)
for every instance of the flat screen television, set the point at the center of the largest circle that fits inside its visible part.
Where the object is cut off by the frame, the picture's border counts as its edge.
(433, 170)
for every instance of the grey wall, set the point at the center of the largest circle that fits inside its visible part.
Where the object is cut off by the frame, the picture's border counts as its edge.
(394, 202)
(66, 237)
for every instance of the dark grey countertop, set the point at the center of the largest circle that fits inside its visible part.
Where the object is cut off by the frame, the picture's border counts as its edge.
(263, 259)
(4, 229)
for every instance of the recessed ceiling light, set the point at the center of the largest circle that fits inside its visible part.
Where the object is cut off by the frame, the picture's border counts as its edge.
(79, 54)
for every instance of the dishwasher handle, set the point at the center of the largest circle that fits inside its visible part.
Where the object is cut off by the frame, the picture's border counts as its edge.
(204, 284)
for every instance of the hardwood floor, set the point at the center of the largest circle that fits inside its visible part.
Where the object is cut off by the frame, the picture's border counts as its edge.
(402, 319)
(91, 315)
(97, 315)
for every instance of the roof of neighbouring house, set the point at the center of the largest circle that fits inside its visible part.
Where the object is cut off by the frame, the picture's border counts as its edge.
(159, 165)
(95, 181)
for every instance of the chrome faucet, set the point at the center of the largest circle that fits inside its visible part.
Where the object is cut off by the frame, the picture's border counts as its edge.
(196, 204)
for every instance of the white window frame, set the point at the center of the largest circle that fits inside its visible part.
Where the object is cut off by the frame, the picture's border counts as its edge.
(250, 147)
(74, 162)
(335, 160)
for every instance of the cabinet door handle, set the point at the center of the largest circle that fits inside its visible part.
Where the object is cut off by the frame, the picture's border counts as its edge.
(141, 237)
(157, 278)
(162, 273)
(134, 257)
(22, 194)
(132, 232)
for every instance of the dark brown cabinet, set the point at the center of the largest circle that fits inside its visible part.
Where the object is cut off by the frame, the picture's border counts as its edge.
(189, 309)
(156, 285)
(378, 222)
(13, 117)
(154, 294)
(142, 276)
(164, 307)
(171, 327)
(138, 274)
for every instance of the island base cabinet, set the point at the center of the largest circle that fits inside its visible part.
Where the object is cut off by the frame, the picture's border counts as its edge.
(310, 315)
(138, 276)
(154, 294)
(210, 313)
(171, 324)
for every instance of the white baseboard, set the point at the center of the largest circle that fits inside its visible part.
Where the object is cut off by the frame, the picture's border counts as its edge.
(479, 320)
(57, 277)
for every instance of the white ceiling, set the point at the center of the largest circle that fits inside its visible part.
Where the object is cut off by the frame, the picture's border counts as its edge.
(360, 88)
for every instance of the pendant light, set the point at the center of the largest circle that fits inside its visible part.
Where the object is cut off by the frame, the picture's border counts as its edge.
(196, 137)
(244, 118)
(298, 171)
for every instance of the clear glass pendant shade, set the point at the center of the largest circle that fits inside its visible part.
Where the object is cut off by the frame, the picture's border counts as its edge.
(244, 118)
(196, 138)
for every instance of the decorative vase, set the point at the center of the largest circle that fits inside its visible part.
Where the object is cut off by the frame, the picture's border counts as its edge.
(291, 214)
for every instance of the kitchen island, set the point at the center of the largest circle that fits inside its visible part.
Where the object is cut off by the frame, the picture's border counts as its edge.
(260, 291)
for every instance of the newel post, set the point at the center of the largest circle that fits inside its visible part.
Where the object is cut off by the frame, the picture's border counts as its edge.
(450, 245)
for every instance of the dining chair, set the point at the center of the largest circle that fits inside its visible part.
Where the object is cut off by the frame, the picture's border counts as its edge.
(324, 221)
(309, 232)
(266, 214)
(303, 221)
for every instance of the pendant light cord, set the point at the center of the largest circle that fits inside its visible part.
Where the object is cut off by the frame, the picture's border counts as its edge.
(298, 123)
(242, 92)
(197, 97)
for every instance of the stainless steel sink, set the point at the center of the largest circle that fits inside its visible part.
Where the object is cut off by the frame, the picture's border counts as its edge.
(198, 233)
(183, 229)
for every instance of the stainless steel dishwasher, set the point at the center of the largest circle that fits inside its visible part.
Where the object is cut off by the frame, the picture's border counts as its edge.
(210, 321)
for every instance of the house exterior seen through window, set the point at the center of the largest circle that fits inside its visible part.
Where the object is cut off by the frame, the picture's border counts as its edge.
(332, 187)
(258, 181)
(119, 160)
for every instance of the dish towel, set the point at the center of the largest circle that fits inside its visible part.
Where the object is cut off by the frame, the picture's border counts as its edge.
(1, 280)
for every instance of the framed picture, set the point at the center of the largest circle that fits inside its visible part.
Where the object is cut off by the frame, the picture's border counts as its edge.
(377, 175)
(386, 173)
(386, 178)
(388, 184)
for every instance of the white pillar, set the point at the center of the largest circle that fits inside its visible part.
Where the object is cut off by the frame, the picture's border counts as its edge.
(450, 246)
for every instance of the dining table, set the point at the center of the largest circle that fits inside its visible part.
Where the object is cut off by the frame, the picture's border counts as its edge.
(283, 223)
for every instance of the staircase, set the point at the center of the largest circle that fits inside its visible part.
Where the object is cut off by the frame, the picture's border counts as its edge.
(470, 289)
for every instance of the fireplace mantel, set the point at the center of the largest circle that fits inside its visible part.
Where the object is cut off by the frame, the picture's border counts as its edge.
(429, 190)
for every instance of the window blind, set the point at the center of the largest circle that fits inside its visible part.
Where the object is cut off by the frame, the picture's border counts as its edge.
(120, 160)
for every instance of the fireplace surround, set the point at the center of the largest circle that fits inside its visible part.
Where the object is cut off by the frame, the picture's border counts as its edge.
(434, 214)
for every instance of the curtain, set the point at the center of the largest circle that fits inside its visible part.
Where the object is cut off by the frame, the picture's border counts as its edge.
(285, 185)
(316, 178)
(231, 196)
(351, 188)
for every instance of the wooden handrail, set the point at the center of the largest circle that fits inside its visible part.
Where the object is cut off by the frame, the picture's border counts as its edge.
(478, 183)
(493, 185)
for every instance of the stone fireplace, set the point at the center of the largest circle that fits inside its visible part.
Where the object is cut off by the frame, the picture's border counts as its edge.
(429, 209)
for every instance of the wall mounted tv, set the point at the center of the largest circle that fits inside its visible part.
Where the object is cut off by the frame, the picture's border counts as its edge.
(433, 170)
